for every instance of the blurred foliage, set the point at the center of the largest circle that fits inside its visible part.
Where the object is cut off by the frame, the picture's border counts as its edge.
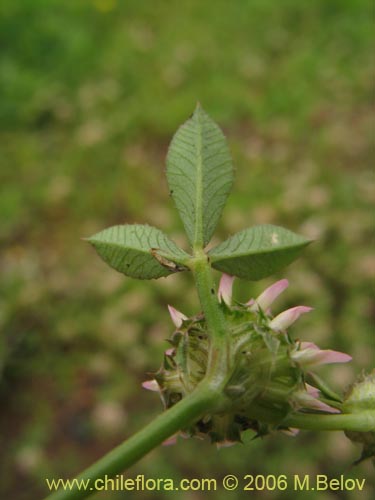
(91, 93)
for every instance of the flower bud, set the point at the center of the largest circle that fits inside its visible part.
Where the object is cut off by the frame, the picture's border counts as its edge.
(176, 316)
(361, 397)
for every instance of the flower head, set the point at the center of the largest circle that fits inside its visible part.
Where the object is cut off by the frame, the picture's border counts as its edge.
(265, 373)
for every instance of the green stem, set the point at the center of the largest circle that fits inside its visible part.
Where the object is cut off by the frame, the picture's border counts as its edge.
(363, 421)
(180, 416)
(206, 398)
(360, 422)
(218, 360)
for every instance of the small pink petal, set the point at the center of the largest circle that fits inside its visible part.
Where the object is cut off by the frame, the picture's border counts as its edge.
(315, 404)
(225, 289)
(170, 441)
(310, 354)
(288, 317)
(290, 432)
(151, 385)
(329, 356)
(308, 399)
(177, 316)
(312, 391)
(309, 345)
(269, 295)
(169, 352)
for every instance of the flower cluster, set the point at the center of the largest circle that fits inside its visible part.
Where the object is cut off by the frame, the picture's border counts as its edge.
(268, 373)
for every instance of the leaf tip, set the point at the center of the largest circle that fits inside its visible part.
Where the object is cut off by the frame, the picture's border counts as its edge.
(198, 111)
(90, 239)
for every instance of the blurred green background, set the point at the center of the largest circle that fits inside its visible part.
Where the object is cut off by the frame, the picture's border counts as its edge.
(90, 95)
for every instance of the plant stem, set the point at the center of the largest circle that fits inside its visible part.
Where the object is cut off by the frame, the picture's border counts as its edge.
(218, 361)
(178, 417)
(363, 421)
(205, 399)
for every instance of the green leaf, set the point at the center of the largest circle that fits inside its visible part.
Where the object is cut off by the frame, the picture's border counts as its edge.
(257, 252)
(139, 251)
(200, 175)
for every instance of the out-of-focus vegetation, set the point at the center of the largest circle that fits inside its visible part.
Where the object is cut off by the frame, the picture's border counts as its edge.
(91, 93)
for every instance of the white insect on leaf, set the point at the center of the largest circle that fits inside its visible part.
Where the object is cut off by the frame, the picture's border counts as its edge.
(274, 238)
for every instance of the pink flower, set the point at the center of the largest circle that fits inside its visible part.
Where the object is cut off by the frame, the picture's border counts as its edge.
(309, 399)
(267, 297)
(177, 316)
(309, 354)
(170, 441)
(283, 320)
(151, 385)
(225, 289)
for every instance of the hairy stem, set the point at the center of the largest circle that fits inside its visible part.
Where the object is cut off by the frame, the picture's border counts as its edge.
(218, 359)
(206, 398)
(180, 416)
(360, 422)
(363, 421)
